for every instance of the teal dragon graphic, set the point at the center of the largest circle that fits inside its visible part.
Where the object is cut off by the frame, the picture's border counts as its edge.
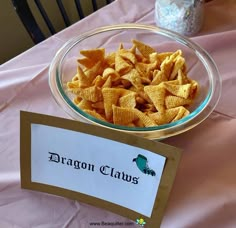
(142, 164)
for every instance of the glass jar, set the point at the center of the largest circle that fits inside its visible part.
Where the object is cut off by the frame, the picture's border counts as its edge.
(182, 16)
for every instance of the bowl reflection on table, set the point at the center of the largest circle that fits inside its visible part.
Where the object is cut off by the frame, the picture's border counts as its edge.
(200, 67)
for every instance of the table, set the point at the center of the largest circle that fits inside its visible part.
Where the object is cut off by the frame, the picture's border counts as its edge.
(204, 191)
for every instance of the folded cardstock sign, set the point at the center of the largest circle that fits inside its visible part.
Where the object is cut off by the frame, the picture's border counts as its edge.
(119, 172)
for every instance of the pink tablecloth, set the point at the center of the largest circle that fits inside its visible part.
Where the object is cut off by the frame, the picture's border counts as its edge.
(204, 192)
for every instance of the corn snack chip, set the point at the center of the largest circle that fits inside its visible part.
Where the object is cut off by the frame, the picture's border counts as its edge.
(133, 87)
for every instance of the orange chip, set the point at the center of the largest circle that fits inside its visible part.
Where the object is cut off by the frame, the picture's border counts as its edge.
(110, 72)
(98, 81)
(154, 57)
(92, 93)
(145, 68)
(73, 85)
(167, 66)
(194, 89)
(144, 49)
(175, 55)
(95, 114)
(84, 81)
(172, 82)
(140, 100)
(182, 112)
(179, 63)
(121, 66)
(133, 49)
(141, 59)
(131, 125)
(178, 90)
(110, 97)
(88, 63)
(173, 101)
(110, 59)
(148, 108)
(145, 96)
(162, 56)
(108, 83)
(123, 116)
(94, 54)
(93, 72)
(128, 101)
(134, 77)
(98, 105)
(158, 77)
(145, 81)
(84, 104)
(146, 120)
(125, 83)
(157, 95)
(77, 100)
(164, 118)
(182, 78)
(127, 55)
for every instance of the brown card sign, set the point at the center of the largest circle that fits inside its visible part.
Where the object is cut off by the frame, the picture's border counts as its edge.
(119, 172)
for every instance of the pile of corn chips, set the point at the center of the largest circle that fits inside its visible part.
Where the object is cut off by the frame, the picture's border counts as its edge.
(136, 87)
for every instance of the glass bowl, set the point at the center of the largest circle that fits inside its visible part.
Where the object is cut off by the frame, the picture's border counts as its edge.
(200, 67)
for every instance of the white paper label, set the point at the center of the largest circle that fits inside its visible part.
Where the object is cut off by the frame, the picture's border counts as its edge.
(116, 172)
